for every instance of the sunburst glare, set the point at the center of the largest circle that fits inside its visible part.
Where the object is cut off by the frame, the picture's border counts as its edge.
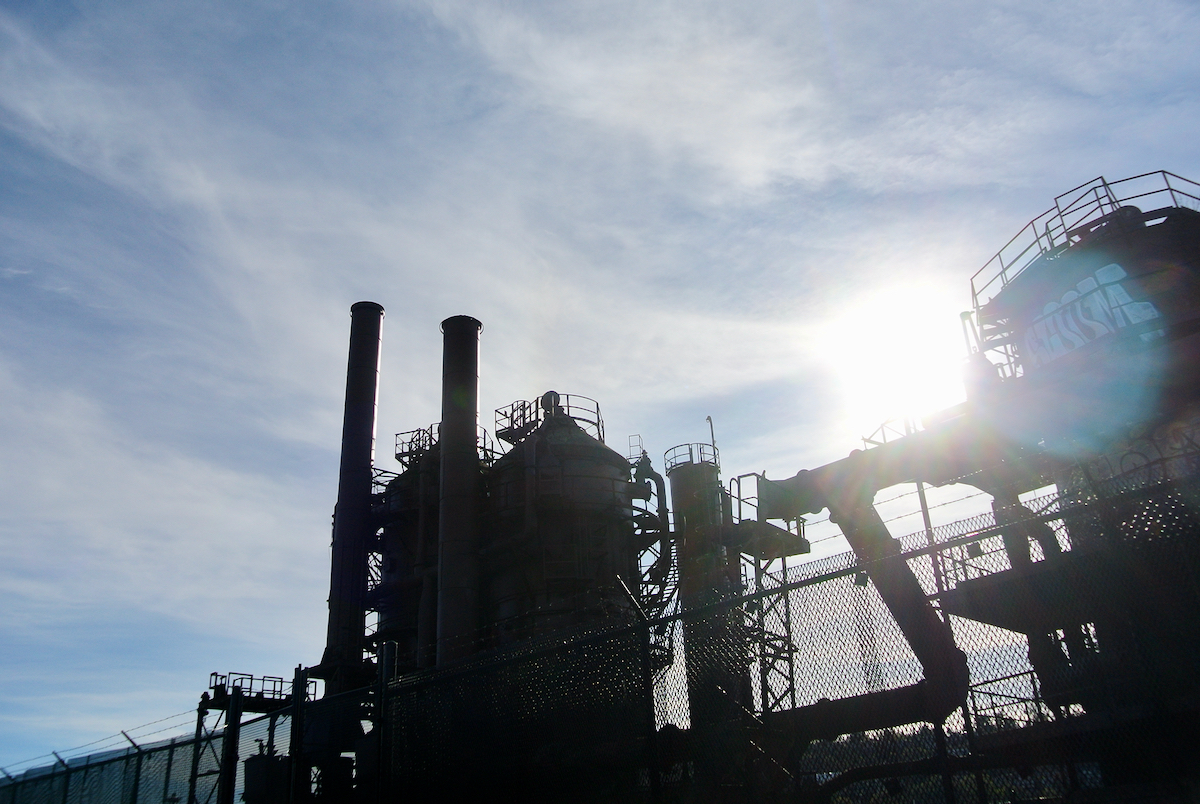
(896, 352)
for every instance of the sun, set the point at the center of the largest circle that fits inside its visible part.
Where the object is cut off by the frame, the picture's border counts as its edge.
(896, 352)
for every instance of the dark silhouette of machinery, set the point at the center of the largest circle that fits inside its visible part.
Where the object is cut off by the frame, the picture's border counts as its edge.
(1080, 345)
(536, 623)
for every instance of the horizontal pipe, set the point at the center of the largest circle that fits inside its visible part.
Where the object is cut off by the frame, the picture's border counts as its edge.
(828, 719)
(957, 450)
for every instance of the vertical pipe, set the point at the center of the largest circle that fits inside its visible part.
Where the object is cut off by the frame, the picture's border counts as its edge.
(458, 512)
(427, 620)
(427, 498)
(345, 637)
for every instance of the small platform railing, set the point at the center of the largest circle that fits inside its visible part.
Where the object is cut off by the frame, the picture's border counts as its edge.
(524, 416)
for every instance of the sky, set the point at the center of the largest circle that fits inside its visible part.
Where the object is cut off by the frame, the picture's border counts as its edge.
(763, 212)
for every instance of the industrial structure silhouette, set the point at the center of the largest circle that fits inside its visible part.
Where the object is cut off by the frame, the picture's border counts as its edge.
(540, 620)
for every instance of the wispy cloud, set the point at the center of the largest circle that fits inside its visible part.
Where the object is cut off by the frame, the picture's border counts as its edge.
(816, 92)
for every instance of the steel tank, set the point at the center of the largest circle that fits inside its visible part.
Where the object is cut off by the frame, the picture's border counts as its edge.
(560, 528)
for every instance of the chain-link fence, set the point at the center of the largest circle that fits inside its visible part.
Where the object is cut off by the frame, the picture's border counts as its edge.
(1074, 612)
(180, 769)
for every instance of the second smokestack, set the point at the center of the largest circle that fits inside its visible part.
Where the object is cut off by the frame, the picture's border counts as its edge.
(458, 516)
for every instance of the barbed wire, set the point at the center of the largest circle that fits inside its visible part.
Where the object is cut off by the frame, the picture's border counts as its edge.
(24, 764)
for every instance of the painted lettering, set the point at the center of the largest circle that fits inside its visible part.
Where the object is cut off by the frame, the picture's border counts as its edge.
(1097, 306)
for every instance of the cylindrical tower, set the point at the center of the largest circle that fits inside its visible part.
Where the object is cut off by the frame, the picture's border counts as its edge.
(352, 528)
(706, 573)
(458, 519)
(714, 642)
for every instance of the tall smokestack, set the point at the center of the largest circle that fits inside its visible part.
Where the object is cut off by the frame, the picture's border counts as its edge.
(458, 515)
(345, 639)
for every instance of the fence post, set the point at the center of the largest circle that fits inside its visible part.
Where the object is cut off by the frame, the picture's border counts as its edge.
(969, 728)
(299, 773)
(939, 734)
(201, 711)
(227, 781)
(137, 769)
(648, 701)
(167, 772)
(66, 776)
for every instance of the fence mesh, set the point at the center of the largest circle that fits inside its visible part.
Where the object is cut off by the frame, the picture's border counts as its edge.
(549, 715)
(179, 769)
(1074, 613)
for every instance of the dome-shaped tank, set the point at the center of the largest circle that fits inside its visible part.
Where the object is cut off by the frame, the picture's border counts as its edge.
(560, 530)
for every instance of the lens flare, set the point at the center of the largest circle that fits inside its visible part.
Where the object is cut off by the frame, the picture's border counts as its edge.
(895, 352)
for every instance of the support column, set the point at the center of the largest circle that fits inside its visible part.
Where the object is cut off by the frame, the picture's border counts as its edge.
(227, 780)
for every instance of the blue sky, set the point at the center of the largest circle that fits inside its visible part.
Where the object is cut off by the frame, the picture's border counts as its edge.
(763, 212)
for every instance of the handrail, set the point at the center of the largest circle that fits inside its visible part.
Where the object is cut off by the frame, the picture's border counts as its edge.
(524, 416)
(1053, 229)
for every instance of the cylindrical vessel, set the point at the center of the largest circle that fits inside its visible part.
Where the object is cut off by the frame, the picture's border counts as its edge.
(458, 519)
(345, 637)
(703, 564)
(718, 672)
(560, 534)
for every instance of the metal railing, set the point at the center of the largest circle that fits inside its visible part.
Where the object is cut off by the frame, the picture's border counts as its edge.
(411, 445)
(524, 416)
(692, 453)
(1009, 702)
(1074, 214)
